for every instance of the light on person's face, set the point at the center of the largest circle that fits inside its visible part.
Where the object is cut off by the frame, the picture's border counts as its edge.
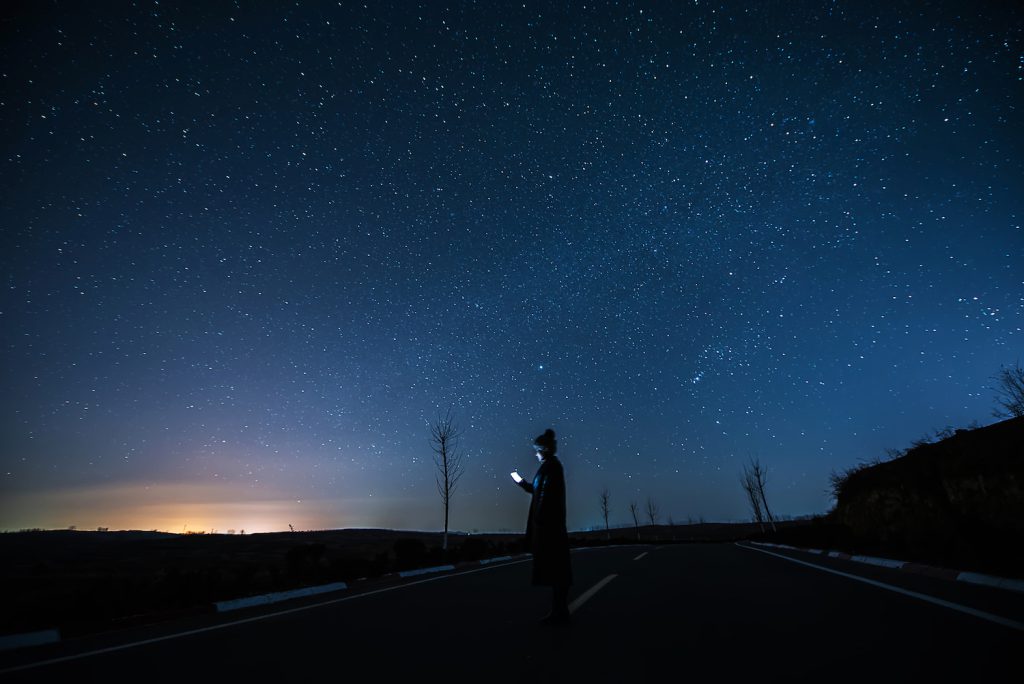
(540, 457)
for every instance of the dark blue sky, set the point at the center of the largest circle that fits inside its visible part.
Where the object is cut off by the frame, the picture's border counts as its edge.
(250, 250)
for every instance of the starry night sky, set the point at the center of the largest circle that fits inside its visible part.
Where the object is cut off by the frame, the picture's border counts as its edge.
(250, 250)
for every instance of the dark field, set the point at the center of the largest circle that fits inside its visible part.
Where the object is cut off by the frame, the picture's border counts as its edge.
(93, 581)
(86, 582)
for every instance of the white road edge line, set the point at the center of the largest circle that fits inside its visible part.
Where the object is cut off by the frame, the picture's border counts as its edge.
(255, 618)
(1005, 622)
(640, 556)
(585, 596)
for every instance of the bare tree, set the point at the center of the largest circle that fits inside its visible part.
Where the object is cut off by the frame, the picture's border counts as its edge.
(444, 440)
(672, 527)
(1010, 392)
(606, 498)
(757, 476)
(635, 510)
(652, 515)
(652, 511)
(749, 484)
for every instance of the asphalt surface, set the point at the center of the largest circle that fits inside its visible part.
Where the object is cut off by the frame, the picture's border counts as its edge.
(691, 612)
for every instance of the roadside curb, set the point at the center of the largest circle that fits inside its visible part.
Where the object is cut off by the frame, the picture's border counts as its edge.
(278, 596)
(274, 597)
(906, 566)
(425, 571)
(45, 636)
(450, 567)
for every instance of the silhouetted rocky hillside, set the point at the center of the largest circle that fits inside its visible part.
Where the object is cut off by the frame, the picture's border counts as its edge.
(960, 498)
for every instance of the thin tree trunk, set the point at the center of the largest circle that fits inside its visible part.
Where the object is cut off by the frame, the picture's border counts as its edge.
(444, 439)
(446, 502)
(767, 511)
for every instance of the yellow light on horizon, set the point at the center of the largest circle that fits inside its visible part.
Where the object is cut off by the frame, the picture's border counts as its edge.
(176, 508)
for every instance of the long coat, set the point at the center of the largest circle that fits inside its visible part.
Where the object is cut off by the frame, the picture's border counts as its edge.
(546, 536)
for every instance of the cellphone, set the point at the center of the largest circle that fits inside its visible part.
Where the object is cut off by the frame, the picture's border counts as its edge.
(517, 477)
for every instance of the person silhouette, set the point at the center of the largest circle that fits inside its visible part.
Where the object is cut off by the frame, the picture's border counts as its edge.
(546, 535)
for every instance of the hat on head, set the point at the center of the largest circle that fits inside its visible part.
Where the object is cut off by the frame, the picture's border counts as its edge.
(546, 442)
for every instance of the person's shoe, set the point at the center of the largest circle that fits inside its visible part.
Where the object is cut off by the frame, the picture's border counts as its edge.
(551, 619)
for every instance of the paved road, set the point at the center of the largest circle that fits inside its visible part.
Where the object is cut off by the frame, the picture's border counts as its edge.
(686, 612)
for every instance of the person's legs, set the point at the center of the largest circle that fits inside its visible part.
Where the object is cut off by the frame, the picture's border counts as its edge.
(559, 606)
(560, 600)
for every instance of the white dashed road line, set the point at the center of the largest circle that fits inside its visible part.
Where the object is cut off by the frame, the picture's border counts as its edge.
(590, 592)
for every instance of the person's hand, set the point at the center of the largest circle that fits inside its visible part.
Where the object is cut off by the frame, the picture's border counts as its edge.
(517, 477)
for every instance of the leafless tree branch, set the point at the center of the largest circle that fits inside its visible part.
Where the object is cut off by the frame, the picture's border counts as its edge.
(755, 476)
(1010, 392)
(652, 511)
(749, 485)
(635, 511)
(652, 514)
(605, 499)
